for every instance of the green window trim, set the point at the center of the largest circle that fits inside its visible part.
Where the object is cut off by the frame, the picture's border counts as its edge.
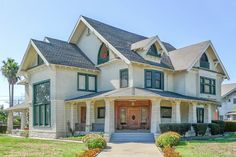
(87, 82)
(37, 108)
(122, 73)
(151, 76)
(103, 56)
(207, 83)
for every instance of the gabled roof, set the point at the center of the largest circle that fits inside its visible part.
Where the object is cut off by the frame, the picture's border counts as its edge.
(227, 89)
(63, 53)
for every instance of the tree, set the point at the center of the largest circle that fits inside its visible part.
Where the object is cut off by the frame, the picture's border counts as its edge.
(9, 70)
(3, 115)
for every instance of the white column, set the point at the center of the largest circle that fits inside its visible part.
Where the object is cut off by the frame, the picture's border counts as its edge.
(88, 116)
(208, 113)
(10, 122)
(73, 116)
(155, 116)
(193, 113)
(23, 120)
(177, 112)
(109, 117)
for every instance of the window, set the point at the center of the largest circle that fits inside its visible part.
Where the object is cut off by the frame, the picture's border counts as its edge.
(124, 78)
(41, 104)
(153, 51)
(207, 85)
(87, 82)
(166, 112)
(103, 54)
(204, 63)
(234, 100)
(101, 112)
(154, 79)
(122, 116)
(39, 60)
(200, 115)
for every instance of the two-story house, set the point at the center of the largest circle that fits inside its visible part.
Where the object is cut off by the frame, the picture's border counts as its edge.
(110, 80)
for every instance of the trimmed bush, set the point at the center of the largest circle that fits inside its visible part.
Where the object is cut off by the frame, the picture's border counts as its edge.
(91, 136)
(200, 129)
(214, 128)
(230, 126)
(3, 129)
(180, 128)
(168, 139)
(170, 152)
(96, 143)
(221, 124)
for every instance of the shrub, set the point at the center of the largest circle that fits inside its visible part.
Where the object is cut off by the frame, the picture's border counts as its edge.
(96, 143)
(89, 153)
(3, 129)
(180, 128)
(168, 139)
(221, 125)
(170, 152)
(214, 128)
(91, 136)
(230, 126)
(200, 128)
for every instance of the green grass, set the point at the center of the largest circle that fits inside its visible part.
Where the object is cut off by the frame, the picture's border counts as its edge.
(219, 147)
(26, 147)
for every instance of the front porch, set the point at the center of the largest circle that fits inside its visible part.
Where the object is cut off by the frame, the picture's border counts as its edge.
(136, 110)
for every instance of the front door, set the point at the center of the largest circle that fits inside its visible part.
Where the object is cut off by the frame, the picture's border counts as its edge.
(134, 117)
(83, 115)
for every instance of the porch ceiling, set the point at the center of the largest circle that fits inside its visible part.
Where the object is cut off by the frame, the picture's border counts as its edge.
(136, 92)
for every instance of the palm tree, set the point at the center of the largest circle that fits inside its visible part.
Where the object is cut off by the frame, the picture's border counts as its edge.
(9, 70)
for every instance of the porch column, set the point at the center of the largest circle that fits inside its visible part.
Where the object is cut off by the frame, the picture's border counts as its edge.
(176, 116)
(23, 120)
(73, 116)
(207, 115)
(155, 116)
(88, 116)
(192, 116)
(10, 122)
(109, 117)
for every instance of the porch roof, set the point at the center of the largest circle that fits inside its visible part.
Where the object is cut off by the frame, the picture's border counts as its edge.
(18, 108)
(137, 92)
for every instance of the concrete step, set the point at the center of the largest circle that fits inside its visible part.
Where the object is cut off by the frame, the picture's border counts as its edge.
(132, 137)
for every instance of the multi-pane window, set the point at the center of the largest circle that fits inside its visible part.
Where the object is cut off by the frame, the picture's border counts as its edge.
(154, 79)
(207, 85)
(103, 54)
(87, 82)
(124, 78)
(204, 63)
(166, 112)
(200, 115)
(41, 104)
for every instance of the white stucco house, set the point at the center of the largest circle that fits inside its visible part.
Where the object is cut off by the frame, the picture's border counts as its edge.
(228, 103)
(110, 80)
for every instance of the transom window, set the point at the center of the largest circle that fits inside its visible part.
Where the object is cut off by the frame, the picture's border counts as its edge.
(124, 78)
(154, 79)
(204, 62)
(200, 115)
(153, 51)
(166, 112)
(41, 104)
(87, 82)
(103, 54)
(207, 85)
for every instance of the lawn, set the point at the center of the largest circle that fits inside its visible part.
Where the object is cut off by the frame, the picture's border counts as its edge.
(220, 147)
(26, 147)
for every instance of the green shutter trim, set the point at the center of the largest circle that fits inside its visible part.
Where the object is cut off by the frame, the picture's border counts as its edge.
(153, 79)
(86, 82)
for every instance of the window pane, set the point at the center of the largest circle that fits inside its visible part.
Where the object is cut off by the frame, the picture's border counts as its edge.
(82, 82)
(124, 78)
(207, 81)
(41, 117)
(123, 115)
(148, 76)
(42, 93)
(47, 114)
(144, 115)
(157, 80)
(207, 88)
(101, 112)
(200, 115)
(36, 115)
(92, 84)
(166, 112)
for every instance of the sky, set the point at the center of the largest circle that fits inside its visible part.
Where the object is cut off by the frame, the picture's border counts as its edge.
(179, 22)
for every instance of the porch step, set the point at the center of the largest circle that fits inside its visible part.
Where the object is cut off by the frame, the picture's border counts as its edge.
(132, 137)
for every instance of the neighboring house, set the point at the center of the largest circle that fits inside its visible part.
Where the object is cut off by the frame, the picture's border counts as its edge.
(228, 103)
(110, 80)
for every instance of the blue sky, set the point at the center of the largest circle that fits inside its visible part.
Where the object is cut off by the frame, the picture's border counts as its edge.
(181, 23)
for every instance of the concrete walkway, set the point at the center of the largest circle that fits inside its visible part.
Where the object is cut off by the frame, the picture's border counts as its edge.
(131, 149)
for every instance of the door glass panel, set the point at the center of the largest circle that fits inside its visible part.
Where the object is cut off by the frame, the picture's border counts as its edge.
(144, 115)
(123, 115)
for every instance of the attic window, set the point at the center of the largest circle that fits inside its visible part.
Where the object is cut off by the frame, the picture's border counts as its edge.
(153, 51)
(40, 60)
(204, 62)
(103, 54)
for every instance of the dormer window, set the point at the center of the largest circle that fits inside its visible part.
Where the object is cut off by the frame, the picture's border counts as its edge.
(153, 51)
(103, 54)
(204, 62)
(39, 60)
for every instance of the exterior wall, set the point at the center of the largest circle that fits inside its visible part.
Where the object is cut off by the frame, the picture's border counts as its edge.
(227, 106)
(179, 82)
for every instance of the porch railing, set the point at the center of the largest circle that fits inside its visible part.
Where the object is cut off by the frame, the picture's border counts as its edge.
(96, 127)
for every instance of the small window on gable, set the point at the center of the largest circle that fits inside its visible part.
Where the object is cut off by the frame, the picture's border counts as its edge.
(103, 54)
(204, 62)
(153, 51)
(39, 60)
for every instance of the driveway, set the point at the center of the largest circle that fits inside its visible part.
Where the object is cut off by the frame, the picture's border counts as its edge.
(130, 149)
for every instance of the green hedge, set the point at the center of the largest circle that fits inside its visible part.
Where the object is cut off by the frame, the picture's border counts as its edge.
(180, 128)
(221, 124)
(3, 129)
(214, 128)
(230, 126)
(200, 128)
(168, 139)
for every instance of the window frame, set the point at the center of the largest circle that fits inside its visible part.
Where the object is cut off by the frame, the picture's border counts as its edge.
(204, 63)
(98, 112)
(234, 100)
(103, 60)
(166, 107)
(121, 71)
(86, 82)
(153, 72)
(39, 60)
(198, 110)
(156, 53)
(41, 122)
(212, 86)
